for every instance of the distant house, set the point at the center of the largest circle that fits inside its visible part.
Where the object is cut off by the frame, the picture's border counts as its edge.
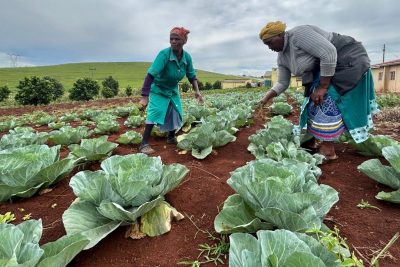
(294, 81)
(385, 78)
(234, 83)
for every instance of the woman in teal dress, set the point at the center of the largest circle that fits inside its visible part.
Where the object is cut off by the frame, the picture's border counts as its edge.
(160, 89)
(335, 71)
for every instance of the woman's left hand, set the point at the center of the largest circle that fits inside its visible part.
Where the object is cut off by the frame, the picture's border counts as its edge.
(199, 97)
(318, 95)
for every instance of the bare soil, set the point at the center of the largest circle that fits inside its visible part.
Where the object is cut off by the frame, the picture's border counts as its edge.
(201, 196)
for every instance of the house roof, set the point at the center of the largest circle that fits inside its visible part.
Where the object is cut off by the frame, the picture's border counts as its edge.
(387, 63)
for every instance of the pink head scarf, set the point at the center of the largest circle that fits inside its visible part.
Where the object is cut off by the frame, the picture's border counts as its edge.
(182, 32)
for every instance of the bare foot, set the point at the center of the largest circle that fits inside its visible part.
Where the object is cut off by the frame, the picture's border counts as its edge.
(328, 150)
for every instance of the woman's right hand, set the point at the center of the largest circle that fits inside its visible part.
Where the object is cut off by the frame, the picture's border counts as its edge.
(144, 101)
(268, 96)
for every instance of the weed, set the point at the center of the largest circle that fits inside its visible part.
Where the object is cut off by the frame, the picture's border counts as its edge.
(215, 253)
(366, 205)
(333, 242)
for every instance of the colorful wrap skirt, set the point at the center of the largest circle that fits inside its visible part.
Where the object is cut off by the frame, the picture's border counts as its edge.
(352, 111)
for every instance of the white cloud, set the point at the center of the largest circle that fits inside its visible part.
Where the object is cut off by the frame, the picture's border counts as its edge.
(223, 38)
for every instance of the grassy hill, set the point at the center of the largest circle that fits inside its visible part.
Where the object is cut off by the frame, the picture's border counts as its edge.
(127, 73)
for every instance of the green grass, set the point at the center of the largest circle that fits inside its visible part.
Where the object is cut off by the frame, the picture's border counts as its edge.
(126, 73)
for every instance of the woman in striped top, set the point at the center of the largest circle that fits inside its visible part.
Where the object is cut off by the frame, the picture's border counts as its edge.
(335, 71)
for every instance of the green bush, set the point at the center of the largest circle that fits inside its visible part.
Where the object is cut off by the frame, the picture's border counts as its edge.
(217, 85)
(57, 87)
(4, 93)
(84, 89)
(208, 86)
(201, 85)
(128, 90)
(185, 87)
(112, 84)
(107, 92)
(34, 91)
(248, 85)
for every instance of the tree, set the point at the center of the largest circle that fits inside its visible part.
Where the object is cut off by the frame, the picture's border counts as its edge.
(84, 89)
(208, 86)
(217, 85)
(107, 92)
(4, 92)
(185, 87)
(57, 87)
(201, 85)
(112, 84)
(34, 91)
(128, 90)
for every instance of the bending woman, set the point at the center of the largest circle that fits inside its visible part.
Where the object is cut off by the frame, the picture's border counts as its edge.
(336, 74)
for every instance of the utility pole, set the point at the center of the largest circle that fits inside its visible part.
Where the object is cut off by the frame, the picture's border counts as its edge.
(383, 56)
(92, 69)
(13, 59)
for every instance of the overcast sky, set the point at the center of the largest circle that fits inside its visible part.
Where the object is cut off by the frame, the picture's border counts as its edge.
(223, 38)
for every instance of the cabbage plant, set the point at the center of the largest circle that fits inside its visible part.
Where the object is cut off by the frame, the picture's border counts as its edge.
(387, 175)
(203, 138)
(20, 246)
(20, 138)
(126, 190)
(95, 149)
(274, 194)
(67, 135)
(281, 108)
(278, 248)
(130, 137)
(373, 145)
(26, 170)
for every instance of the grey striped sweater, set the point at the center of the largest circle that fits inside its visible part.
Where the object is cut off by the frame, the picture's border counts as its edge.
(303, 47)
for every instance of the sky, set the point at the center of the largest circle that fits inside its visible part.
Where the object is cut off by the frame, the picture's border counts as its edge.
(223, 34)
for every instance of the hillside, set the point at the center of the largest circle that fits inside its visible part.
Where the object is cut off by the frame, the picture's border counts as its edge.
(127, 73)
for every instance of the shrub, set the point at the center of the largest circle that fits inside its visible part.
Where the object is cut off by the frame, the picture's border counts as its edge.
(4, 93)
(185, 87)
(34, 91)
(112, 84)
(57, 87)
(84, 89)
(208, 86)
(107, 92)
(201, 85)
(128, 90)
(248, 85)
(217, 85)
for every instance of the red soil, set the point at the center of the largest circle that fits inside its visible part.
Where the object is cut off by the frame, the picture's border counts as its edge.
(202, 194)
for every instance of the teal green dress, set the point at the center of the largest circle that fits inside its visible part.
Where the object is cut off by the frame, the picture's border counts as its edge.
(167, 72)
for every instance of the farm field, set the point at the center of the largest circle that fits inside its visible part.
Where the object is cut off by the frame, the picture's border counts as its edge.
(201, 194)
(127, 73)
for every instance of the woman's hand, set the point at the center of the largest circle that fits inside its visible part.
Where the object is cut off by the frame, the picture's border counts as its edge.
(199, 97)
(268, 96)
(318, 95)
(144, 101)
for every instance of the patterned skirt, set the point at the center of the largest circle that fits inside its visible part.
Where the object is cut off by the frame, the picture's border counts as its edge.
(352, 111)
(325, 121)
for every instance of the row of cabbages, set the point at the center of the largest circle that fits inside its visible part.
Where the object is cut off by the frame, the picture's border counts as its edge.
(277, 197)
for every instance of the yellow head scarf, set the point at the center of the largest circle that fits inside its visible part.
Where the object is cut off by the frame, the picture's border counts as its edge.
(272, 29)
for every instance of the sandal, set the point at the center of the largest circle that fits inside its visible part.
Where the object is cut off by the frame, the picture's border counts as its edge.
(172, 141)
(146, 149)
